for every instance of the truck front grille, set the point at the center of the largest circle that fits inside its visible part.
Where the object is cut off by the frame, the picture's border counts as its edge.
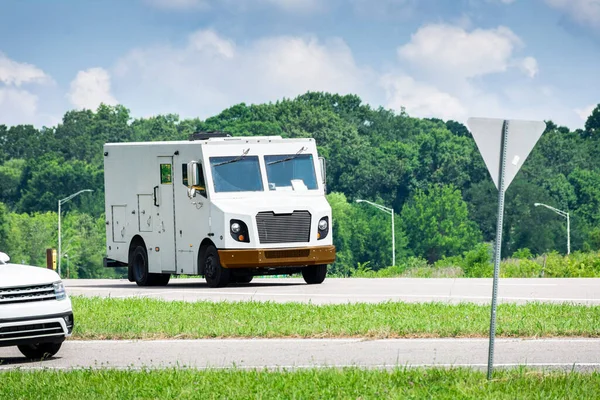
(27, 294)
(283, 228)
(37, 330)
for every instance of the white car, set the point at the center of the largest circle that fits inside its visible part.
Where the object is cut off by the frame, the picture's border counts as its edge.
(35, 310)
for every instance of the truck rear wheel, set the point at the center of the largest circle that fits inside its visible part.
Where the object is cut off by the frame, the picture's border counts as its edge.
(314, 274)
(215, 274)
(40, 350)
(139, 263)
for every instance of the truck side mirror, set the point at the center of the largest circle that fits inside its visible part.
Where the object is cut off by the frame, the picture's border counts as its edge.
(323, 172)
(192, 173)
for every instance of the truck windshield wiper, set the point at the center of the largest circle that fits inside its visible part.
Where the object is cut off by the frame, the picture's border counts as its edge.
(288, 158)
(238, 158)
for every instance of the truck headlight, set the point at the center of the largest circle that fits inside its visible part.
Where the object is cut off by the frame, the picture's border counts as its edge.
(323, 226)
(239, 230)
(59, 291)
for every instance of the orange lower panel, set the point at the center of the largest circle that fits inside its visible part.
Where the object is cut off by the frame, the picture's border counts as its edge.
(270, 258)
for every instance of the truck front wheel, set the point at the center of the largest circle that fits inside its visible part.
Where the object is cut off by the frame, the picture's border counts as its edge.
(314, 274)
(215, 274)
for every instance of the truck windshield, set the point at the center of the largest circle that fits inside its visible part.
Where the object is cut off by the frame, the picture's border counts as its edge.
(236, 174)
(282, 169)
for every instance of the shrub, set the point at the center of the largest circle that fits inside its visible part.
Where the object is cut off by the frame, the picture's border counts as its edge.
(477, 263)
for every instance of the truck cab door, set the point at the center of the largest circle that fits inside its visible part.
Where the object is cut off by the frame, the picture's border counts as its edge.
(164, 215)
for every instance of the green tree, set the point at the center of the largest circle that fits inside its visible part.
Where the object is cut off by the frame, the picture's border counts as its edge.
(4, 229)
(437, 223)
(10, 179)
(30, 236)
(592, 124)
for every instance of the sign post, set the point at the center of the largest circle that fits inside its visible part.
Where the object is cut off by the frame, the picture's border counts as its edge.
(504, 146)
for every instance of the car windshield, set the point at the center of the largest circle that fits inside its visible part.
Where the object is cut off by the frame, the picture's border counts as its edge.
(236, 174)
(282, 169)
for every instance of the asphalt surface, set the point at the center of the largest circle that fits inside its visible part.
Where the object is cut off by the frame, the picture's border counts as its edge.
(340, 290)
(567, 354)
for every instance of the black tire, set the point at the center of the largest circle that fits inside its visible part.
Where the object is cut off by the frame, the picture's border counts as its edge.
(246, 278)
(39, 351)
(160, 279)
(314, 274)
(139, 265)
(215, 274)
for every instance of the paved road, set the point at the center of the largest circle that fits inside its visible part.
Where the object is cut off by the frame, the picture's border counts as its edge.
(578, 354)
(339, 290)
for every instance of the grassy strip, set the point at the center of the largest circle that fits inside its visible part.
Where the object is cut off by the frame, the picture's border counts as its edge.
(142, 318)
(305, 384)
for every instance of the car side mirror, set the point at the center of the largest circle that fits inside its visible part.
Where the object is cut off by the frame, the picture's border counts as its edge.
(4, 258)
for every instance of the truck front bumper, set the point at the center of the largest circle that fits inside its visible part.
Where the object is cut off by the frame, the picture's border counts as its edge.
(273, 258)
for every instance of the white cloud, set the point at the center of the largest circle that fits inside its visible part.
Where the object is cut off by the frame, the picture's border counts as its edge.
(585, 112)
(90, 88)
(210, 73)
(584, 12)
(208, 40)
(17, 106)
(16, 73)
(420, 99)
(179, 5)
(452, 51)
(530, 66)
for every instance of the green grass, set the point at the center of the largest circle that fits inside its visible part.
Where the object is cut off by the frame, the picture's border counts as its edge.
(348, 383)
(142, 318)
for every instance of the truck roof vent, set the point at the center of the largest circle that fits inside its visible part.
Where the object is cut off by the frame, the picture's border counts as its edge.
(203, 135)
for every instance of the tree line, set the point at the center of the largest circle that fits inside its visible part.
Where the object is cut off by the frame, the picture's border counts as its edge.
(428, 170)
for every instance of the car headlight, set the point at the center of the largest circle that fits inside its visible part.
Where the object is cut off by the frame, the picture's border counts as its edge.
(235, 227)
(59, 291)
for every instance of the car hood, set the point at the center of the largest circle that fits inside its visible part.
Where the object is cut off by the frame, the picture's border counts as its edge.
(12, 275)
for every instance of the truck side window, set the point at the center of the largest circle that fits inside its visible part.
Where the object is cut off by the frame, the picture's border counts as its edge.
(184, 174)
(202, 187)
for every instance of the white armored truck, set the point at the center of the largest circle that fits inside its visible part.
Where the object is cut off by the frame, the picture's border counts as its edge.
(228, 208)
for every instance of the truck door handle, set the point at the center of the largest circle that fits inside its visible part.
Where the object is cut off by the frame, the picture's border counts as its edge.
(155, 196)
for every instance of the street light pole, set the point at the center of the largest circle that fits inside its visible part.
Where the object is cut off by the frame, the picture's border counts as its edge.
(562, 214)
(60, 203)
(391, 212)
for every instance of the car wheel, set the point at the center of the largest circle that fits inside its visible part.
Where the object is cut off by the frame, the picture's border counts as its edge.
(314, 274)
(215, 274)
(39, 350)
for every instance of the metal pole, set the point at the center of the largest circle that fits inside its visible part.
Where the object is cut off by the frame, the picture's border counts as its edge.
(497, 253)
(568, 235)
(59, 238)
(393, 241)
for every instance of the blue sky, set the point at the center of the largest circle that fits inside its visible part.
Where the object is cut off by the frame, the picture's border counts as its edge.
(450, 59)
